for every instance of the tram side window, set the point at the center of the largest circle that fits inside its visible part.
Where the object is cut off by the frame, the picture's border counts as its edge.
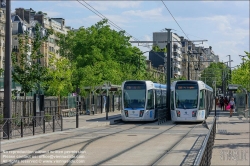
(150, 101)
(158, 98)
(202, 100)
(164, 98)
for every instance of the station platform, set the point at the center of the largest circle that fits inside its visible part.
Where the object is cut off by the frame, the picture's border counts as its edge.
(232, 141)
(69, 123)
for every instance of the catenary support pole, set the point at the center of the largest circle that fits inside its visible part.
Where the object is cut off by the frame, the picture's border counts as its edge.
(7, 70)
(168, 74)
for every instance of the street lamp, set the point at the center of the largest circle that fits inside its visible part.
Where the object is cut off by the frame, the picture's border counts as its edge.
(243, 58)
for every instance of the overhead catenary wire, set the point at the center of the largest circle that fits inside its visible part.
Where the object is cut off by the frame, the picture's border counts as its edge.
(111, 22)
(174, 19)
(102, 16)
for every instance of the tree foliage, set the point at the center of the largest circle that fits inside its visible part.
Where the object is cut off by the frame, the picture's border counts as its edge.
(26, 69)
(59, 76)
(241, 74)
(25, 63)
(101, 54)
(156, 48)
(215, 72)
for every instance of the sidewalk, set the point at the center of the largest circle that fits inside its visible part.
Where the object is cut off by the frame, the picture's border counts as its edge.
(69, 123)
(231, 146)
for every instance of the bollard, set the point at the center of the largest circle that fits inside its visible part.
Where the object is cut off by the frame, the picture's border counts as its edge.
(107, 110)
(77, 119)
(61, 123)
(21, 127)
(33, 125)
(53, 123)
(101, 103)
(44, 124)
(113, 103)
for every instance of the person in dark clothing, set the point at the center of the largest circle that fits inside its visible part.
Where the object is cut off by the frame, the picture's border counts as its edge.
(222, 103)
(226, 102)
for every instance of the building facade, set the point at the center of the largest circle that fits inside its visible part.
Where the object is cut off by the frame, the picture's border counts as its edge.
(26, 19)
(187, 60)
(176, 59)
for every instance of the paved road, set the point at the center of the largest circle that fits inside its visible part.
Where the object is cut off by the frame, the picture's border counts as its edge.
(102, 144)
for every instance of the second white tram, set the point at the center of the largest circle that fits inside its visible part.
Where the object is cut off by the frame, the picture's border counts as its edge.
(190, 101)
(141, 100)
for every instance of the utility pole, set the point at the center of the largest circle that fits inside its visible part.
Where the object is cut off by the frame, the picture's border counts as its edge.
(7, 72)
(169, 55)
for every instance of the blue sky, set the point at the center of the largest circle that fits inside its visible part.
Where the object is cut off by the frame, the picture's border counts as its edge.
(225, 24)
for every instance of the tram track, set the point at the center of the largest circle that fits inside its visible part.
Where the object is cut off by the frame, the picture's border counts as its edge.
(162, 156)
(132, 147)
(138, 144)
(53, 141)
(13, 162)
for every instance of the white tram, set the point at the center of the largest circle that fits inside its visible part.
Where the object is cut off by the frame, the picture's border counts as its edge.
(140, 100)
(190, 101)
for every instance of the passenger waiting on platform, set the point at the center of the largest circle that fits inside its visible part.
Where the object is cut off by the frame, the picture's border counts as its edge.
(232, 106)
(222, 104)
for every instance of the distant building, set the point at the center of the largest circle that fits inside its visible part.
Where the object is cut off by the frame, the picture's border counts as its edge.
(25, 19)
(175, 49)
(185, 56)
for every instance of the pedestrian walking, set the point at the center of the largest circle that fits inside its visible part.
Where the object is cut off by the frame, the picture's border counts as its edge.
(232, 106)
(222, 104)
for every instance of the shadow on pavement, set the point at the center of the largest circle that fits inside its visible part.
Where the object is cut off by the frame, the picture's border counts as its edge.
(104, 118)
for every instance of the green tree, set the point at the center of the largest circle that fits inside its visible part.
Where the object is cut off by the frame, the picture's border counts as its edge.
(101, 54)
(241, 74)
(215, 72)
(156, 48)
(59, 77)
(26, 68)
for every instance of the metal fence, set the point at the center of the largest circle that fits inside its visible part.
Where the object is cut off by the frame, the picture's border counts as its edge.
(26, 126)
(51, 106)
(205, 154)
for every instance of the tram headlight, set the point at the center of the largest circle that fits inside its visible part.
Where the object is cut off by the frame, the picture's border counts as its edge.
(178, 113)
(126, 113)
(194, 113)
(141, 113)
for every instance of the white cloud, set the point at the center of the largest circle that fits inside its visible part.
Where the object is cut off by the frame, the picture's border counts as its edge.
(147, 14)
(148, 38)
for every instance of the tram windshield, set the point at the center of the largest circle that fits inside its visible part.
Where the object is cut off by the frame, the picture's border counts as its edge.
(134, 96)
(186, 96)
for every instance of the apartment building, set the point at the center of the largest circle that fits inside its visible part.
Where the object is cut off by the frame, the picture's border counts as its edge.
(175, 49)
(186, 56)
(26, 19)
